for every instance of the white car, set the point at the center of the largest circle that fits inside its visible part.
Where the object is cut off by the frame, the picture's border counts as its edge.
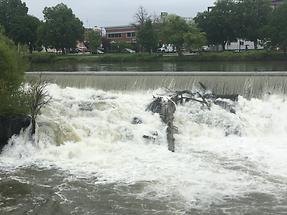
(130, 51)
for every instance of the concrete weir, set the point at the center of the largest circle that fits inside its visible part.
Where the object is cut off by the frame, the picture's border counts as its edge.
(243, 83)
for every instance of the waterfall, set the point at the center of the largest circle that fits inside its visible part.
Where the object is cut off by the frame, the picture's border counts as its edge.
(248, 84)
(220, 157)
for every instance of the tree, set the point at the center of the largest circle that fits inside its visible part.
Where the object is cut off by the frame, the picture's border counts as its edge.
(277, 28)
(253, 16)
(173, 30)
(147, 37)
(220, 24)
(141, 16)
(194, 38)
(24, 31)
(11, 13)
(62, 29)
(18, 25)
(94, 41)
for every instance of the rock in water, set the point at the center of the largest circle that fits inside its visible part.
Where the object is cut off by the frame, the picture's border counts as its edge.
(12, 125)
(136, 121)
(166, 109)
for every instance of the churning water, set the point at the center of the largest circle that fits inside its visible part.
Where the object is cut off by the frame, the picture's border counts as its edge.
(91, 159)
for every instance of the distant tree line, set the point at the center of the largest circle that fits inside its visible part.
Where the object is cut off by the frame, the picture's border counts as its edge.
(167, 29)
(61, 29)
(252, 20)
(226, 21)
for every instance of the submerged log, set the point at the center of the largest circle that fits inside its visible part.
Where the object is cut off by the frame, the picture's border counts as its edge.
(167, 115)
(165, 106)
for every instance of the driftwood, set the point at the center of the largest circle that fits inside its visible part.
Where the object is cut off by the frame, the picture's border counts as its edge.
(165, 106)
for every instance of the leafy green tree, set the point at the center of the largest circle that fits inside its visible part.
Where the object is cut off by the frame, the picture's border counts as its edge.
(11, 12)
(147, 37)
(253, 16)
(62, 29)
(277, 28)
(94, 41)
(42, 38)
(194, 38)
(220, 24)
(25, 31)
(18, 25)
(141, 18)
(173, 30)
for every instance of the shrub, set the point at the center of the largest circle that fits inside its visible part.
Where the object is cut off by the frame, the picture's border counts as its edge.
(14, 101)
(12, 65)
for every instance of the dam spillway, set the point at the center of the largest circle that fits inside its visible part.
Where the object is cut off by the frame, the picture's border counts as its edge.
(244, 83)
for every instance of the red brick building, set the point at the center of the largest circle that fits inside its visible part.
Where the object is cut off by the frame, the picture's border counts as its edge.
(121, 33)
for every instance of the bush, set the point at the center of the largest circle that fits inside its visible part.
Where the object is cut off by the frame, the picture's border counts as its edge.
(14, 100)
(12, 65)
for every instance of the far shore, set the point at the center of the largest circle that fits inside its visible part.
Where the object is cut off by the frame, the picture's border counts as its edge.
(227, 56)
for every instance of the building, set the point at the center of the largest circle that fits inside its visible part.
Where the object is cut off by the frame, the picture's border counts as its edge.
(121, 33)
(188, 19)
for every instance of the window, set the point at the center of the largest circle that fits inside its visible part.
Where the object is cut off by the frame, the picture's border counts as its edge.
(131, 34)
(114, 35)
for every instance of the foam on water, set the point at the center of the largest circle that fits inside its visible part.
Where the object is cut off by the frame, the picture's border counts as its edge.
(218, 156)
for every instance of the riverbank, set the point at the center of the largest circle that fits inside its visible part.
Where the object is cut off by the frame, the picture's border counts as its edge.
(262, 55)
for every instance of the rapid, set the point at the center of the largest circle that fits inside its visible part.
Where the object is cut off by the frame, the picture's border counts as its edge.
(89, 158)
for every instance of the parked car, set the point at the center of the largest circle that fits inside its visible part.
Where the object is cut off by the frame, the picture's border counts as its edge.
(129, 51)
(167, 49)
(99, 51)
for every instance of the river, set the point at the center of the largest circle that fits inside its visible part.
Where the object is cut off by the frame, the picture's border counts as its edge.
(168, 67)
(90, 158)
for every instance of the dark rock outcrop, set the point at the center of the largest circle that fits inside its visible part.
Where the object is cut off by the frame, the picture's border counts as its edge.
(137, 121)
(12, 125)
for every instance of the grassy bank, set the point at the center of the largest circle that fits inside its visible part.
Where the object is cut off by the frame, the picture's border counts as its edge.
(39, 58)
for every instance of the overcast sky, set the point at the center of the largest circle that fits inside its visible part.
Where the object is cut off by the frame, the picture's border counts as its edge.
(119, 12)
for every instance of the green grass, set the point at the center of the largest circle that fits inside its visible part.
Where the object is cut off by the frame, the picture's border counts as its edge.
(259, 55)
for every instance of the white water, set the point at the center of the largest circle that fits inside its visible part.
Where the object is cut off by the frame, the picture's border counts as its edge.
(209, 166)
